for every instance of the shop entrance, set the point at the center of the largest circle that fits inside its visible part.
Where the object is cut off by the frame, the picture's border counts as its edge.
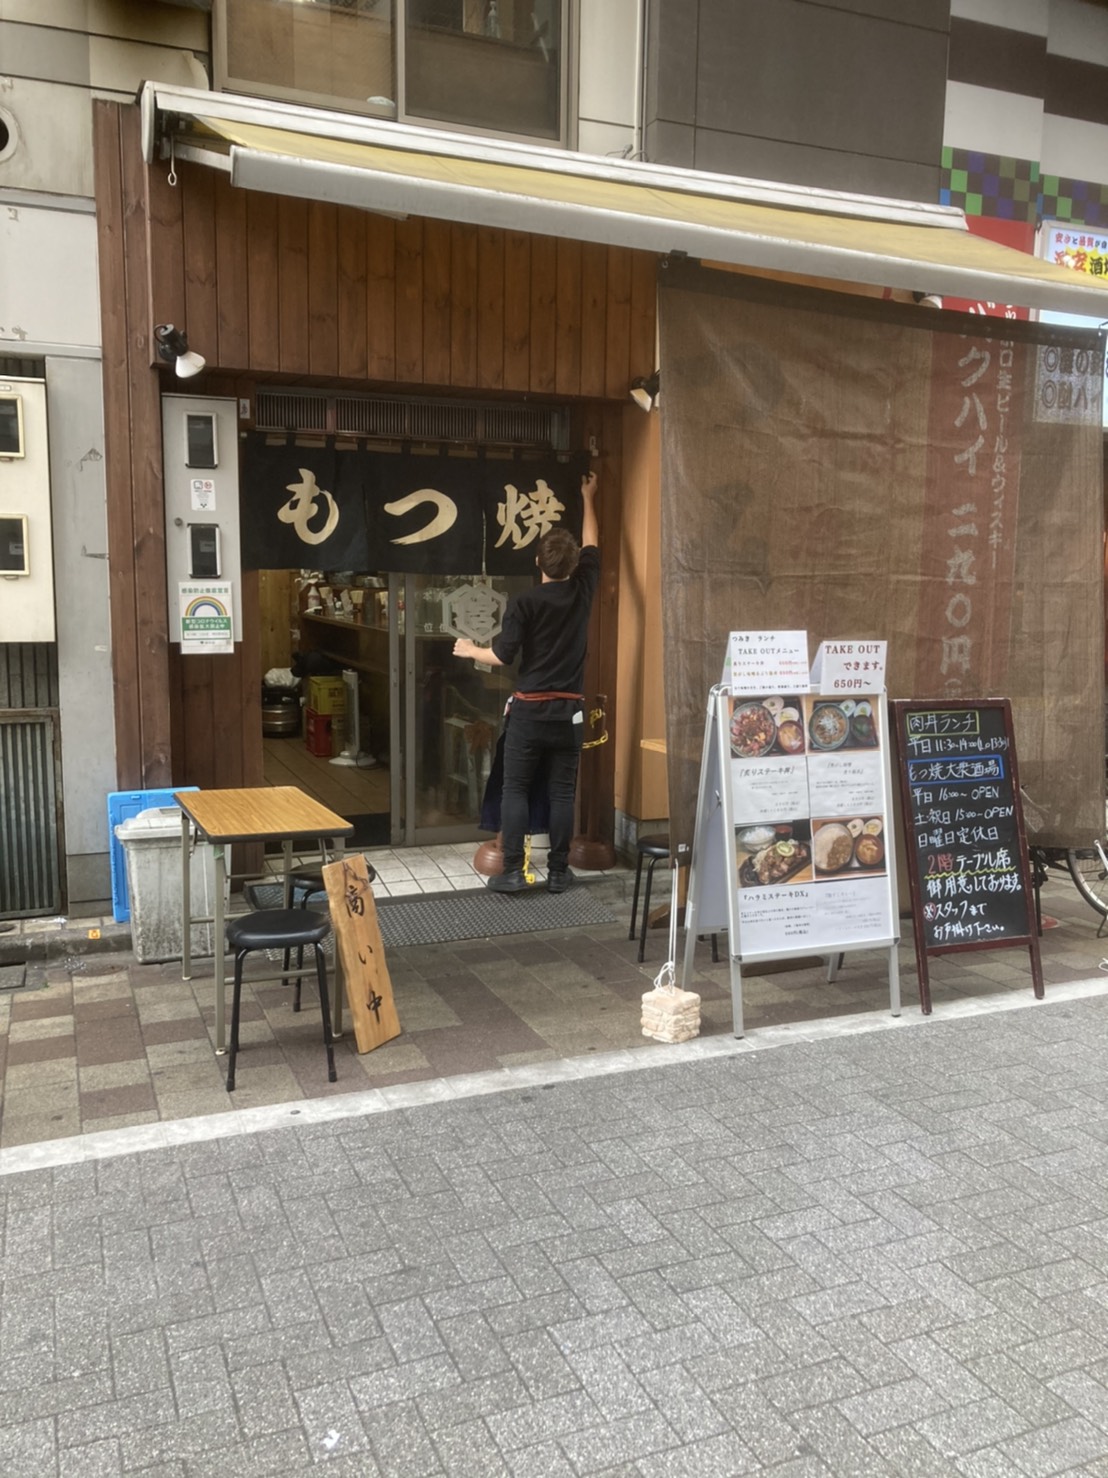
(396, 733)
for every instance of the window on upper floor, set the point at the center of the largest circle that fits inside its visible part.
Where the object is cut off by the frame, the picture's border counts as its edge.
(497, 66)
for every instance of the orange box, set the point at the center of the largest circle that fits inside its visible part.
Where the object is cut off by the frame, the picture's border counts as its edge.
(317, 734)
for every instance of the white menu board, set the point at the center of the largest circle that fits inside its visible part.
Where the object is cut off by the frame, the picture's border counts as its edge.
(794, 851)
(759, 661)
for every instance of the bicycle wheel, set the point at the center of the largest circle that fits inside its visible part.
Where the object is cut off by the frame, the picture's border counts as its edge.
(1090, 876)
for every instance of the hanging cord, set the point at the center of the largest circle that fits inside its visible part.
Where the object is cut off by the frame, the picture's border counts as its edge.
(172, 175)
(666, 978)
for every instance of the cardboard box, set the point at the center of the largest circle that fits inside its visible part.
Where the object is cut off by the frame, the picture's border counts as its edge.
(327, 695)
(318, 734)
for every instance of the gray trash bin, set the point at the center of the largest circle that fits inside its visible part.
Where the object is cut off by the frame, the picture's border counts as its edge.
(152, 846)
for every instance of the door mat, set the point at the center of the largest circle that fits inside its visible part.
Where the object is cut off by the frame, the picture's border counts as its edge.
(437, 918)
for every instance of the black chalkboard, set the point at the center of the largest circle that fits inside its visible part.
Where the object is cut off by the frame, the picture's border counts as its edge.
(969, 876)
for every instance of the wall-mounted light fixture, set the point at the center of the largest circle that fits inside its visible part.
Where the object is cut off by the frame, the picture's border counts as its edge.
(644, 391)
(173, 347)
(927, 300)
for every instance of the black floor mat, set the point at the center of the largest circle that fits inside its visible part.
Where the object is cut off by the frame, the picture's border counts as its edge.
(437, 918)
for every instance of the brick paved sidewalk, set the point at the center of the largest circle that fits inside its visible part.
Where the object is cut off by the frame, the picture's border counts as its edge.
(99, 1043)
(879, 1254)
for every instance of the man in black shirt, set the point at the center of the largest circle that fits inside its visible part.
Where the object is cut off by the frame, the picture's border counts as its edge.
(547, 628)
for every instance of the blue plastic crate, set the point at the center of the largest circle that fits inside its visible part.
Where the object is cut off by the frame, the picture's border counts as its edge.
(122, 805)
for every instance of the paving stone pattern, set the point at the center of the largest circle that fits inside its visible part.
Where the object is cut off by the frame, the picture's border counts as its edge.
(879, 1254)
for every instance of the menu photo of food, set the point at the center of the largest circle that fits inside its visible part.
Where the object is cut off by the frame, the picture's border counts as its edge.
(763, 726)
(774, 853)
(841, 723)
(846, 847)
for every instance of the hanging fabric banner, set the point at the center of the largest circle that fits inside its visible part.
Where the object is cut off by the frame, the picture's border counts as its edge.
(523, 500)
(424, 513)
(302, 507)
(350, 507)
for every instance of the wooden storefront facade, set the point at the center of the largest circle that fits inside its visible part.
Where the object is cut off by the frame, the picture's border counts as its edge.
(281, 291)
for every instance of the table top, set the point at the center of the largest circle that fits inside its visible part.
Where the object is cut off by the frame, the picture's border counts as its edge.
(264, 813)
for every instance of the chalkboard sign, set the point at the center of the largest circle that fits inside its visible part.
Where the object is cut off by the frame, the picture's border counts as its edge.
(963, 825)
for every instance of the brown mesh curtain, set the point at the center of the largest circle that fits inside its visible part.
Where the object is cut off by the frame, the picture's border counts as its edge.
(861, 469)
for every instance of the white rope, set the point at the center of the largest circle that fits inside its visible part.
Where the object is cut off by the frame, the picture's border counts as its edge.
(666, 978)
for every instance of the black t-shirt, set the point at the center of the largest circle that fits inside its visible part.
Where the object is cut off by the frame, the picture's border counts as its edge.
(547, 627)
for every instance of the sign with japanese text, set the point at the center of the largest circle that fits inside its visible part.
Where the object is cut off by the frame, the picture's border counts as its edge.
(338, 506)
(358, 935)
(849, 667)
(759, 660)
(207, 617)
(967, 552)
(793, 848)
(967, 857)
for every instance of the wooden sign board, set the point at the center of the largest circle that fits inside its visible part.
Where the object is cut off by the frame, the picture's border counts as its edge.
(963, 822)
(358, 941)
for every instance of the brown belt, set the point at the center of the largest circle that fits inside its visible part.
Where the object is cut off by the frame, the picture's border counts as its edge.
(543, 697)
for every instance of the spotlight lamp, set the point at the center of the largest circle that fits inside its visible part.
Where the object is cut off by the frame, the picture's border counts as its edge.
(927, 300)
(644, 392)
(173, 347)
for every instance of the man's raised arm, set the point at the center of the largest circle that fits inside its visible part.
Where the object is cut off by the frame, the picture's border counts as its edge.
(590, 531)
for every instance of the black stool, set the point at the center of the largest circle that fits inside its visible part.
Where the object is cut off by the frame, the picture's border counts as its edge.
(304, 885)
(280, 928)
(657, 849)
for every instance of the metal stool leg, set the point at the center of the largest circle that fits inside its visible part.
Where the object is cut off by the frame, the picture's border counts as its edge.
(646, 908)
(325, 1012)
(635, 898)
(233, 1050)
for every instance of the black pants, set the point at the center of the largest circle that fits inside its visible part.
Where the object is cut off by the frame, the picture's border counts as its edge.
(527, 743)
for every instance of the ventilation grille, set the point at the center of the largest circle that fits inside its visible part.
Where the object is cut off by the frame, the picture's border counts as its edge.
(30, 816)
(13, 368)
(28, 675)
(290, 410)
(393, 418)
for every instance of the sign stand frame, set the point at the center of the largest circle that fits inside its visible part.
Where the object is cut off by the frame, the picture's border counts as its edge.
(901, 707)
(714, 852)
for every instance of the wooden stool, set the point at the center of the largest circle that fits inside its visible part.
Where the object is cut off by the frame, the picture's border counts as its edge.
(655, 848)
(287, 929)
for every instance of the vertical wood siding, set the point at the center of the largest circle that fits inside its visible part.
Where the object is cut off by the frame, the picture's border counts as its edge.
(268, 286)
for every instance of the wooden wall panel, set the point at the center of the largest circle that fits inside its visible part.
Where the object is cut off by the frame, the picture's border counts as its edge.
(381, 298)
(352, 271)
(436, 302)
(567, 344)
(463, 305)
(490, 308)
(262, 255)
(165, 204)
(517, 311)
(594, 318)
(201, 320)
(617, 352)
(292, 285)
(232, 278)
(544, 313)
(323, 289)
(303, 288)
(409, 300)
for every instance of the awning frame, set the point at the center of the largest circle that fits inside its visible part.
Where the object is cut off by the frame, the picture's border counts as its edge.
(291, 150)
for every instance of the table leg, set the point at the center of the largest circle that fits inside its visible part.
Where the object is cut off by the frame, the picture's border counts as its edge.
(186, 899)
(286, 853)
(338, 983)
(219, 946)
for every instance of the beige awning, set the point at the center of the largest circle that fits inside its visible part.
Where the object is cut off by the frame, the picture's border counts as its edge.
(382, 167)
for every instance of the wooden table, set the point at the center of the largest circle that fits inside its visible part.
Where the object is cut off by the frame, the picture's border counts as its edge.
(268, 813)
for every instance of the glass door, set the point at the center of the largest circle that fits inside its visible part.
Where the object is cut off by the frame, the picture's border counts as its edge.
(446, 713)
